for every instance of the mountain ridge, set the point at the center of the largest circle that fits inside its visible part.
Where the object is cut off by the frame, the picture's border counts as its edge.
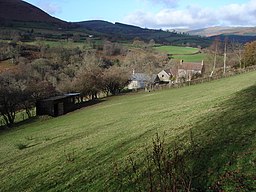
(18, 13)
(218, 30)
(12, 11)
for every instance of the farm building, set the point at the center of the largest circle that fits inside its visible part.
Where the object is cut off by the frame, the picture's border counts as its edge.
(165, 76)
(58, 105)
(141, 81)
(185, 71)
(188, 70)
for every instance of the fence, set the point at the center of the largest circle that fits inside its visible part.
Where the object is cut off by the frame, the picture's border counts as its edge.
(206, 79)
(22, 115)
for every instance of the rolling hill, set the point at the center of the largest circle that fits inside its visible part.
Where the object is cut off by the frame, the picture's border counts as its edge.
(120, 31)
(22, 14)
(17, 13)
(214, 31)
(237, 34)
(87, 149)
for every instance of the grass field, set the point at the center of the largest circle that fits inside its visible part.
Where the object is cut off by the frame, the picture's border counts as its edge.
(77, 152)
(177, 50)
(188, 54)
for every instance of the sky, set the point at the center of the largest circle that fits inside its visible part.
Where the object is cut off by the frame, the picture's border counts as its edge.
(156, 14)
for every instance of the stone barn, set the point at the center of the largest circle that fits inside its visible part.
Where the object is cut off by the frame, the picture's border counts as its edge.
(58, 105)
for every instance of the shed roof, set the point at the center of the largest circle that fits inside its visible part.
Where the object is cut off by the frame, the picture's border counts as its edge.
(72, 94)
(59, 97)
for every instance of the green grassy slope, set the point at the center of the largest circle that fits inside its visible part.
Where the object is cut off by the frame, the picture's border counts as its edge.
(190, 58)
(188, 54)
(76, 152)
(177, 50)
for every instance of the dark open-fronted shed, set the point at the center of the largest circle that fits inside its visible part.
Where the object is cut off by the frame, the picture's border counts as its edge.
(58, 105)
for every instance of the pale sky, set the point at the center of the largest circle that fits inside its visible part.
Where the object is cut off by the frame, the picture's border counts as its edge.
(164, 14)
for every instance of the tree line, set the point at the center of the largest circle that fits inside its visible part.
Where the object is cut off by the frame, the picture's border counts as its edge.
(45, 71)
(42, 71)
(229, 54)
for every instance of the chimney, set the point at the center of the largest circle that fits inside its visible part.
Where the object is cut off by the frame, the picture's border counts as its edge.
(202, 62)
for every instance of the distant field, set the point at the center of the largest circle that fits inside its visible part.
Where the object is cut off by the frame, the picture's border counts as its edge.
(64, 44)
(191, 58)
(177, 50)
(188, 54)
(78, 151)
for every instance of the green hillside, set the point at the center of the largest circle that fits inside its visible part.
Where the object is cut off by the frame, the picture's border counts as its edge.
(78, 151)
(176, 50)
(123, 32)
(188, 54)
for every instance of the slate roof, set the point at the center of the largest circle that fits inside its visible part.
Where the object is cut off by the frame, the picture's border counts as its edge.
(191, 66)
(143, 77)
(168, 71)
(59, 97)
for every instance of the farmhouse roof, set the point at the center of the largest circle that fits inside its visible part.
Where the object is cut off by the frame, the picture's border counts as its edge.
(143, 77)
(168, 71)
(191, 66)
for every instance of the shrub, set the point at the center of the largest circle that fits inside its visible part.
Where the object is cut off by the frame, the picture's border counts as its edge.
(162, 169)
(21, 146)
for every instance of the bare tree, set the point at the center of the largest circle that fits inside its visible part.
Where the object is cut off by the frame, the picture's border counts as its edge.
(214, 49)
(88, 79)
(115, 79)
(238, 49)
(89, 82)
(249, 55)
(152, 43)
(225, 56)
(10, 97)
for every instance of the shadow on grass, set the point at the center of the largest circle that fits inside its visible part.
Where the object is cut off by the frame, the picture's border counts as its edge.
(223, 157)
(5, 128)
(88, 103)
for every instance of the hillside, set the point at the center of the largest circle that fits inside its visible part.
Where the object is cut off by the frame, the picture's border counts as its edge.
(120, 31)
(85, 150)
(213, 31)
(237, 34)
(20, 14)
(187, 54)
(235, 38)
(17, 12)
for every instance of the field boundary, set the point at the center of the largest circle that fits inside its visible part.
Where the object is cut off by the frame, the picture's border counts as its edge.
(206, 79)
(23, 116)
